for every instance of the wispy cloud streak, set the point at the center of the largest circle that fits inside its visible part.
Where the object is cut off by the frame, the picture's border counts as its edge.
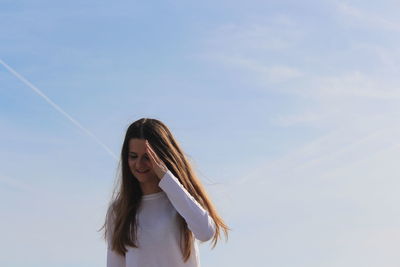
(58, 108)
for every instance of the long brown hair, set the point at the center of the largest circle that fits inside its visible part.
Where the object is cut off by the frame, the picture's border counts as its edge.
(120, 224)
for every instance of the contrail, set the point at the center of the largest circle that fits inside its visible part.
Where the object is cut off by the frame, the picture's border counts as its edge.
(48, 100)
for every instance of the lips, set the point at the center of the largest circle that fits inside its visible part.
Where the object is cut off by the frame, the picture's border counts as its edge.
(142, 171)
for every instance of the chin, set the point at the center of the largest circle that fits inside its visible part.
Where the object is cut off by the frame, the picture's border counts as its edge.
(143, 178)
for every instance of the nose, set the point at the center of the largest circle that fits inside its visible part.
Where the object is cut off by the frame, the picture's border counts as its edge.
(141, 164)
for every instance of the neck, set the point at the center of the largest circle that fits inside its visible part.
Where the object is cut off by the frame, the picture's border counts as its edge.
(150, 188)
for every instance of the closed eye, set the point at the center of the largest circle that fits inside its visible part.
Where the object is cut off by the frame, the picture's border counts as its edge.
(133, 157)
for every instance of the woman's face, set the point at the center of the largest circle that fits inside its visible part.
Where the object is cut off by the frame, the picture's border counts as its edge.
(139, 161)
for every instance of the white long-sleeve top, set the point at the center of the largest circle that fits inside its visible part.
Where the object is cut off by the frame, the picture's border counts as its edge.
(158, 233)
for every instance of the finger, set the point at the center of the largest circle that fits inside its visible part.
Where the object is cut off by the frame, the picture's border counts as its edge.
(153, 155)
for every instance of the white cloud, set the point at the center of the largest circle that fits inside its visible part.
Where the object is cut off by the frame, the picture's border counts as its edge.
(247, 47)
(356, 84)
(335, 196)
(17, 184)
(269, 74)
(272, 34)
(367, 19)
(307, 117)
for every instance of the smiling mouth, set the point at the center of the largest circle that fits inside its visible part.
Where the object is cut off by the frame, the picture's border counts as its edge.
(142, 171)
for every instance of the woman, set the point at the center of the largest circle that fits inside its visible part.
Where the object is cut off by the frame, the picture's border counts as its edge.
(161, 206)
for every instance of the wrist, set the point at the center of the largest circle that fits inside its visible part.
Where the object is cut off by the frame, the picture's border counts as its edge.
(162, 174)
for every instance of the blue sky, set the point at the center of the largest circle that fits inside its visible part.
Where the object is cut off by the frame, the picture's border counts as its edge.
(290, 107)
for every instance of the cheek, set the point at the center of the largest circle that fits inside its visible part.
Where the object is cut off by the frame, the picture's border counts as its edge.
(131, 163)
